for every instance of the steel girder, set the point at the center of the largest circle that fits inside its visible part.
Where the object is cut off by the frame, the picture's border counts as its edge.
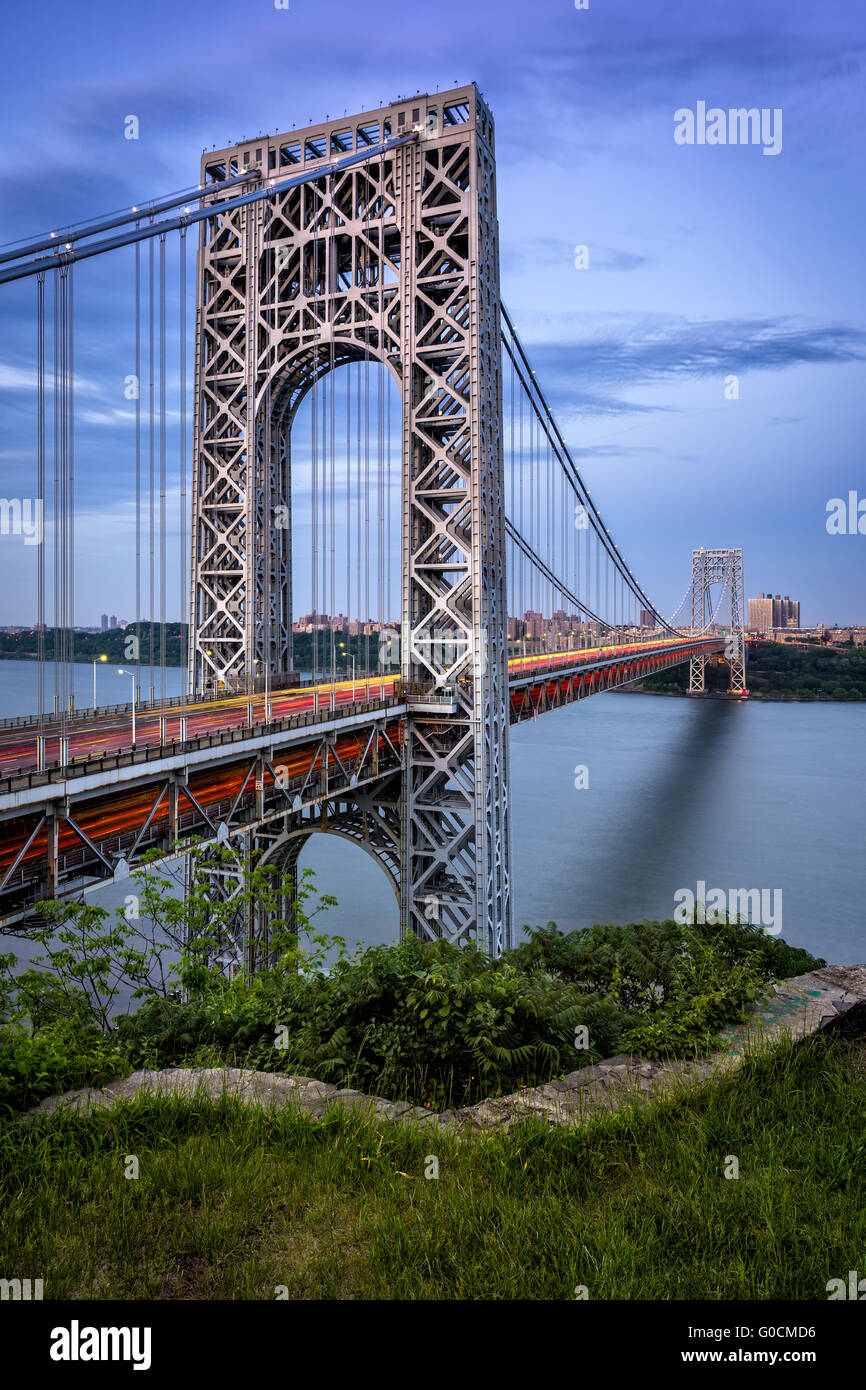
(87, 836)
(394, 261)
(539, 695)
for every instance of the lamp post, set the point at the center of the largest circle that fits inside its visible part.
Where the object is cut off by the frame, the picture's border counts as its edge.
(122, 671)
(95, 664)
(343, 646)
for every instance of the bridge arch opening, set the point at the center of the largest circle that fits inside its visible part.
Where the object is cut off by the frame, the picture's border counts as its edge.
(343, 438)
(365, 884)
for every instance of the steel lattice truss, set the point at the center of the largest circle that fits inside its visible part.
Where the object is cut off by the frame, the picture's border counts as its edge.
(394, 260)
(723, 567)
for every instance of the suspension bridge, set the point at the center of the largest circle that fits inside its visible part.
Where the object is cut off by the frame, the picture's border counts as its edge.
(369, 474)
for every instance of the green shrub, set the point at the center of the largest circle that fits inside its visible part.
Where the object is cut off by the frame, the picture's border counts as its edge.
(60, 1057)
(443, 1025)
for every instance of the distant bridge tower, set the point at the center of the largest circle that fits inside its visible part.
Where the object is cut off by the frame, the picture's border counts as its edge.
(719, 567)
(394, 260)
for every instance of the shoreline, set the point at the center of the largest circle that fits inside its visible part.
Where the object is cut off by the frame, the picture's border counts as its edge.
(723, 695)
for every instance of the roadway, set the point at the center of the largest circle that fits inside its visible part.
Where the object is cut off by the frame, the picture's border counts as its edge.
(112, 733)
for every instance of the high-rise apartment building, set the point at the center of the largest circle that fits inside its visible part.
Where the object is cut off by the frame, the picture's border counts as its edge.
(769, 611)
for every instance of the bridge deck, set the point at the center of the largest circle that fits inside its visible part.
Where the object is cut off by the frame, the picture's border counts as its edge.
(73, 822)
(95, 736)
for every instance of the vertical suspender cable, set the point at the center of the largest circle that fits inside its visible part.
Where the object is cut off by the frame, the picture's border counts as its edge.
(60, 495)
(609, 592)
(510, 596)
(551, 528)
(40, 493)
(576, 528)
(389, 478)
(333, 518)
(314, 505)
(162, 513)
(380, 460)
(548, 548)
(380, 470)
(272, 641)
(70, 368)
(533, 488)
(56, 496)
(359, 546)
(314, 439)
(151, 474)
(64, 504)
(323, 514)
(184, 629)
(563, 556)
(367, 476)
(348, 508)
(61, 508)
(138, 453)
(598, 581)
(523, 604)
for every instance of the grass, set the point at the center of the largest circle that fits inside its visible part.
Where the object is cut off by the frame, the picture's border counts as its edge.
(232, 1203)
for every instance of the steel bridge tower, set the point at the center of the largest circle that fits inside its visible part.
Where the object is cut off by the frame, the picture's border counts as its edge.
(393, 260)
(719, 567)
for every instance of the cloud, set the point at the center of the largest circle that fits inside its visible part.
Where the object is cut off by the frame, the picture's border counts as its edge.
(25, 379)
(611, 451)
(550, 253)
(116, 416)
(659, 348)
(16, 378)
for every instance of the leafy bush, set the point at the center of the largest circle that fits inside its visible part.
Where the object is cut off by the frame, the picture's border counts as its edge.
(443, 1025)
(60, 1057)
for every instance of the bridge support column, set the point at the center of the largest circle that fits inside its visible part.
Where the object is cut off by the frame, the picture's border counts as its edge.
(172, 810)
(52, 834)
(456, 836)
(724, 567)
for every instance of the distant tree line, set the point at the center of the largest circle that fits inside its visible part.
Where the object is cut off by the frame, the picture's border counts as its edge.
(778, 671)
(90, 646)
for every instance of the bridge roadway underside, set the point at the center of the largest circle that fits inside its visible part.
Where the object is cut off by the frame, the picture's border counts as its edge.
(73, 826)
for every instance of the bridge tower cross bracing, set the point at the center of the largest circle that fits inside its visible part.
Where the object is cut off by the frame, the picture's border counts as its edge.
(725, 567)
(393, 260)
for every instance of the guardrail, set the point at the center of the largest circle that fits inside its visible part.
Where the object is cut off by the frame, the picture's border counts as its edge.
(580, 662)
(152, 753)
(30, 721)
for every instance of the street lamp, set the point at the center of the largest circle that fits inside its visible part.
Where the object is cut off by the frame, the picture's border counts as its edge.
(101, 658)
(343, 645)
(122, 671)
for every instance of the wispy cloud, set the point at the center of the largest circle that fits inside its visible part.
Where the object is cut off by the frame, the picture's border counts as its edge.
(656, 348)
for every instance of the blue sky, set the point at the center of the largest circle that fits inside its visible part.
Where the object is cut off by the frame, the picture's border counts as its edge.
(704, 261)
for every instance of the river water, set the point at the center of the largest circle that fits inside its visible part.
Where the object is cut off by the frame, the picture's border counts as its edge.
(678, 792)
